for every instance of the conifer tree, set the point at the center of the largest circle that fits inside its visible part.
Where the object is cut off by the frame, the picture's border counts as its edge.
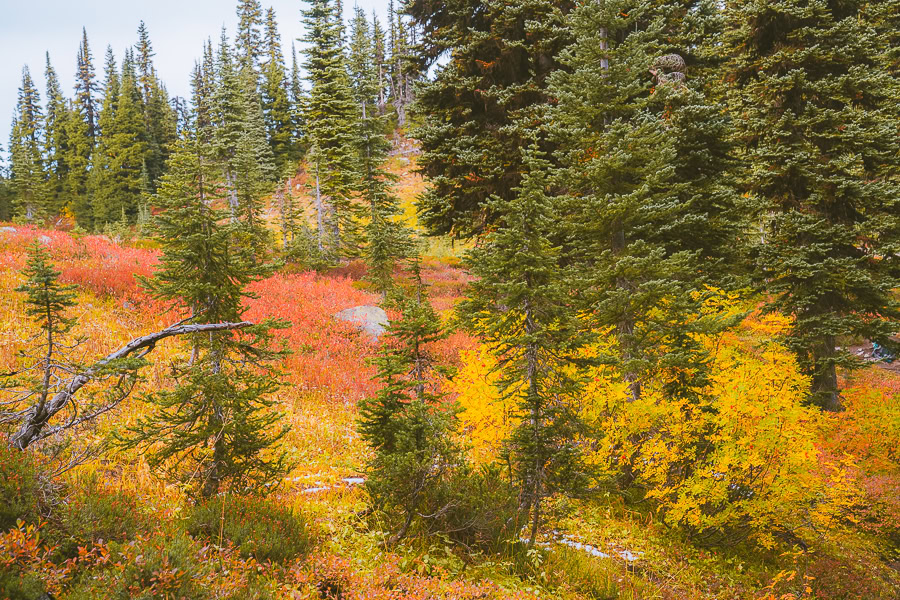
(203, 90)
(501, 54)
(276, 103)
(521, 306)
(25, 143)
(120, 158)
(407, 423)
(248, 43)
(380, 59)
(387, 239)
(86, 88)
(298, 108)
(82, 131)
(819, 133)
(48, 303)
(217, 429)
(6, 208)
(159, 118)
(649, 209)
(329, 119)
(55, 140)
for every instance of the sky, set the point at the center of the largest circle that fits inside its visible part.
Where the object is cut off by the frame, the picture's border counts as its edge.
(29, 28)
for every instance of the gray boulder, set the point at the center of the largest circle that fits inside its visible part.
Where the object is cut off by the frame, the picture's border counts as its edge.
(371, 319)
(7, 229)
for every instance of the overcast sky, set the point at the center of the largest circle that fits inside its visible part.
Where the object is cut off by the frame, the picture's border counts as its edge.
(29, 28)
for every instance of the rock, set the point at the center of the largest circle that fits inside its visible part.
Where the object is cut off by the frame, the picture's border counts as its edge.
(45, 239)
(370, 319)
(7, 229)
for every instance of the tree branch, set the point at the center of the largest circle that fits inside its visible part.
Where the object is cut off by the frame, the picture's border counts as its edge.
(40, 414)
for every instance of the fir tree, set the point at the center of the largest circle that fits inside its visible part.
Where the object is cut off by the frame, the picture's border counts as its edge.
(276, 103)
(649, 211)
(28, 175)
(6, 208)
(380, 59)
(298, 108)
(387, 239)
(501, 54)
(48, 303)
(521, 306)
(82, 131)
(407, 424)
(86, 88)
(819, 134)
(248, 42)
(159, 118)
(329, 119)
(120, 158)
(217, 428)
(55, 140)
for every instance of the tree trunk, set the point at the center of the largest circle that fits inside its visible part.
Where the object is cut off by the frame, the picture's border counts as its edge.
(824, 383)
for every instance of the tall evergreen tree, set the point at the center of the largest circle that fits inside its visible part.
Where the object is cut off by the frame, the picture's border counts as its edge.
(521, 305)
(819, 133)
(86, 88)
(248, 43)
(82, 131)
(116, 180)
(25, 149)
(159, 117)
(55, 140)
(329, 120)
(217, 428)
(386, 238)
(6, 202)
(380, 59)
(241, 145)
(500, 56)
(276, 103)
(298, 109)
(407, 424)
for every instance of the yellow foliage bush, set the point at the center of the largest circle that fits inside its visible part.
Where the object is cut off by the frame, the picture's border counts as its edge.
(741, 460)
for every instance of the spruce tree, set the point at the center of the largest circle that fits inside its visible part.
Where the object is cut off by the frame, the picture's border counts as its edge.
(649, 210)
(120, 157)
(818, 130)
(82, 131)
(521, 306)
(500, 56)
(276, 103)
(49, 304)
(240, 143)
(25, 149)
(386, 238)
(86, 88)
(408, 423)
(248, 42)
(6, 208)
(298, 108)
(217, 429)
(380, 59)
(55, 140)
(159, 117)
(329, 120)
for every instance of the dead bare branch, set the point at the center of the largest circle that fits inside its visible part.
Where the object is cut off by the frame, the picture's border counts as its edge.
(37, 417)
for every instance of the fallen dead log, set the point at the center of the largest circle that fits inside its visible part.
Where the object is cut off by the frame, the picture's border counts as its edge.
(35, 419)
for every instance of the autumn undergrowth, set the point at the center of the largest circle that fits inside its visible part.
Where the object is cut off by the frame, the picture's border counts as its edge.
(109, 526)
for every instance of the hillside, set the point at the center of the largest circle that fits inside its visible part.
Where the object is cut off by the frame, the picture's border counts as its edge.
(113, 525)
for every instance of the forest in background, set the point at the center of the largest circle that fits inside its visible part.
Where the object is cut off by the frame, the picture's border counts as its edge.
(662, 368)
